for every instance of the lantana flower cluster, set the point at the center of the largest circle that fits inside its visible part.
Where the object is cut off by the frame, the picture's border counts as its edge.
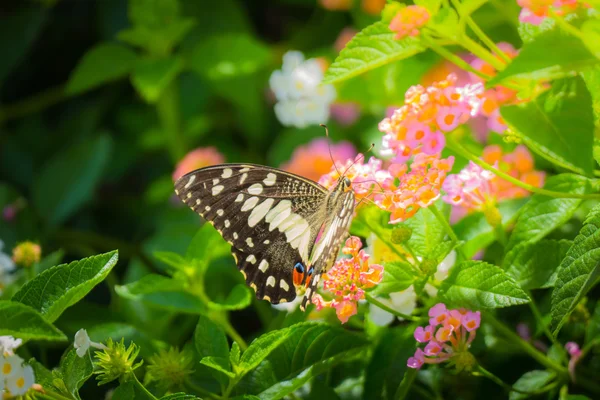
(348, 279)
(16, 378)
(301, 99)
(476, 189)
(364, 176)
(408, 190)
(535, 11)
(448, 338)
(409, 20)
(419, 125)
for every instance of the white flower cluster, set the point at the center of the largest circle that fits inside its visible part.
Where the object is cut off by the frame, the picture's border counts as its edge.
(301, 99)
(15, 377)
(82, 343)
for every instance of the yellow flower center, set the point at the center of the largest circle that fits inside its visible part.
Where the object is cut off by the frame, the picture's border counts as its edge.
(6, 368)
(20, 382)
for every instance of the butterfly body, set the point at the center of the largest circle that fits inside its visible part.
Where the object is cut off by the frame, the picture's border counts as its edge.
(285, 230)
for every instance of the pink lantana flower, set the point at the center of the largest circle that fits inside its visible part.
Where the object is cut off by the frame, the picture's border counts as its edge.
(313, 160)
(364, 176)
(448, 338)
(348, 279)
(409, 20)
(535, 11)
(406, 191)
(198, 158)
(575, 353)
(476, 189)
(427, 114)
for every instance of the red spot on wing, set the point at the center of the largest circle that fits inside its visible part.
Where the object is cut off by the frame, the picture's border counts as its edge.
(297, 277)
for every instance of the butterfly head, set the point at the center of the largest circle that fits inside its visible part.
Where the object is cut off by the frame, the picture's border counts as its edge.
(345, 184)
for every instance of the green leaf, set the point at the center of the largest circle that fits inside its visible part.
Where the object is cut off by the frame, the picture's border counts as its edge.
(207, 245)
(371, 48)
(260, 348)
(427, 231)
(219, 364)
(578, 272)
(479, 285)
(441, 251)
(477, 233)
(284, 388)
(172, 259)
(597, 151)
(387, 365)
(48, 261)
(152, 76)
(397, 276)
(534, 265)
(209, 339)
(306, 344)
(58, 288)
(591, 36)
(103, 63)
(163, 292)
(547, 123)
(239, 298)
(21, 321)
(530, 382)
(17, 34)
(124, 392)
(75, 371)
(229, 55)
(60, 188)
(43, 375)
(550, 55)
(542, 214)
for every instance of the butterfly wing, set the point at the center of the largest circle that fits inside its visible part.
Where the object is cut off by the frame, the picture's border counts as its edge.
(327, 246)
(270, 217)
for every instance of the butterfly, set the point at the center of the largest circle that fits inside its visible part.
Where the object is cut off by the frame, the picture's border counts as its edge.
(285, 230)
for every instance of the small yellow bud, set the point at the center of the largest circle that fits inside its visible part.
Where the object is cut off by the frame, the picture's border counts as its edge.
(25, 254)
(401, 235)
(493, 216)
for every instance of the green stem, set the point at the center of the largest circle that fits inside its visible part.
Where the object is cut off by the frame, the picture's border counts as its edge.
(540, 320)
(460, 150)
(167, 108)
(453, 58)
(526, 347)
(33, 104)
(481, 52)
(142, 387)
(49, 394)
(448, 229)
(486, 40)
(500, 234)
(566, 26)
(230, 330)
(405, 385)
(487, 374)
(379, 304)
(480, 33)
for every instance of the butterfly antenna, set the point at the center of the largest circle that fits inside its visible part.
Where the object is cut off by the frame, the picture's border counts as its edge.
(363, 157)
(329, 147)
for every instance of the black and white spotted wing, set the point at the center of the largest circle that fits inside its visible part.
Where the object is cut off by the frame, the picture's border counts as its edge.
(271, 218)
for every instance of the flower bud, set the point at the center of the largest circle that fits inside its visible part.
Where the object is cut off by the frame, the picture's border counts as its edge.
(429, 266)
(493, 216)
(26, 254)
(464, 361)
(401, 234)
(390, 10)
